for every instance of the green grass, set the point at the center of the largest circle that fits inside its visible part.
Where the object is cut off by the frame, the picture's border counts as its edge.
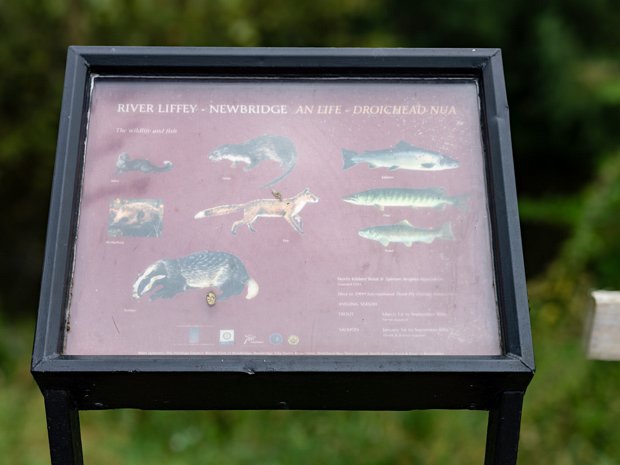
(278, 437)
(232, 437)
(570, 417)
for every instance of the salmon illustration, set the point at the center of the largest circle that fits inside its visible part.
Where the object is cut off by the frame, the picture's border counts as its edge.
(404, 197)
(405, 233)
(274, 148)
(202, 270)
(287, 208)
(402, 156)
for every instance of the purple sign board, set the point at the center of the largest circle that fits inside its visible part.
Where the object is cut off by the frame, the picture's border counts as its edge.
(283, 217)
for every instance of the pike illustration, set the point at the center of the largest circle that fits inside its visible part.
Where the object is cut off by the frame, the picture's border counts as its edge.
(404, 197)
(405, 233)
(253, 152)
(402, 156)
(201, 270)
(288, 208)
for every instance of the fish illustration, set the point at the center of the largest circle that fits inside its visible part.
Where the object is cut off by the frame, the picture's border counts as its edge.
(124, 163)
(404, 197)
(253, 152)
(288, 209)
(405, 233)
(402, 156)
(201, 270)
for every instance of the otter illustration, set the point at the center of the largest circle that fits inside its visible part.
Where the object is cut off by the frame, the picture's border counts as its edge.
(220, 270)
(253, 152)
(125, 164)
(142, 218)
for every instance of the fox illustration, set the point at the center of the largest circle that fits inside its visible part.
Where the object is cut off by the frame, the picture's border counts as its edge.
(287, 208)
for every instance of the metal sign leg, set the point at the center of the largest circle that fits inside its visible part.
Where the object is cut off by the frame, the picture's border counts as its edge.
(503, 430)
(63, 428)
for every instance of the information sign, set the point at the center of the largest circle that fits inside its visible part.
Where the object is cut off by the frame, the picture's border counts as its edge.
(283, 228)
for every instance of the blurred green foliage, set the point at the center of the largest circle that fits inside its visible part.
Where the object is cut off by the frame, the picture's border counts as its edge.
(562, 74)
(563, 79)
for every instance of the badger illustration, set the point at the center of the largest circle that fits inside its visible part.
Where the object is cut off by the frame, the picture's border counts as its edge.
(201, 270)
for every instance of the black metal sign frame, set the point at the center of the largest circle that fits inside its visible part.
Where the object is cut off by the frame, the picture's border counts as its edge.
(493, 383)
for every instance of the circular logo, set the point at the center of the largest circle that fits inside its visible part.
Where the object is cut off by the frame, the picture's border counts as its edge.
(276, 339)
(227, 336)
(293, 340)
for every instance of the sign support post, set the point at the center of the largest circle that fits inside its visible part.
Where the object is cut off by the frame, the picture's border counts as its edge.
(63, 427)
(503, 429)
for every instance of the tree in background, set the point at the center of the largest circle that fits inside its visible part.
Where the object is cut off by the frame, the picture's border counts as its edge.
(562, 73)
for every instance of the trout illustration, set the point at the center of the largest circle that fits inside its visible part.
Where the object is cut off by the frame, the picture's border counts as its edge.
(402, 156)
(253, 152)
(405, 233)
(404, 197)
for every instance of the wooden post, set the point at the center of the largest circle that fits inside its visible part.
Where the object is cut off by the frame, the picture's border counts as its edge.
(603, 331)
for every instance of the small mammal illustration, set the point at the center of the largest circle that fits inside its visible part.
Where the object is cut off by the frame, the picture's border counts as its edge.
(253, 152)
(288, 209)
(125, 164)
(201, 270)
(135, 218)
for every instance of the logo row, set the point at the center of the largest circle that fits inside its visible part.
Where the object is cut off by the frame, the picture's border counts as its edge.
(227, 337)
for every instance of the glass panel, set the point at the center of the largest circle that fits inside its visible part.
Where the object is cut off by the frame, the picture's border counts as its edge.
(271, 216)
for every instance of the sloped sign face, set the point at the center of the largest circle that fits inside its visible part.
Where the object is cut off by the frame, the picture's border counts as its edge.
(283, 217)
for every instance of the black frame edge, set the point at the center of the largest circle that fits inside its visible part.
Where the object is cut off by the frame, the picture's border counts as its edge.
(511, 269)
(46, 343)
